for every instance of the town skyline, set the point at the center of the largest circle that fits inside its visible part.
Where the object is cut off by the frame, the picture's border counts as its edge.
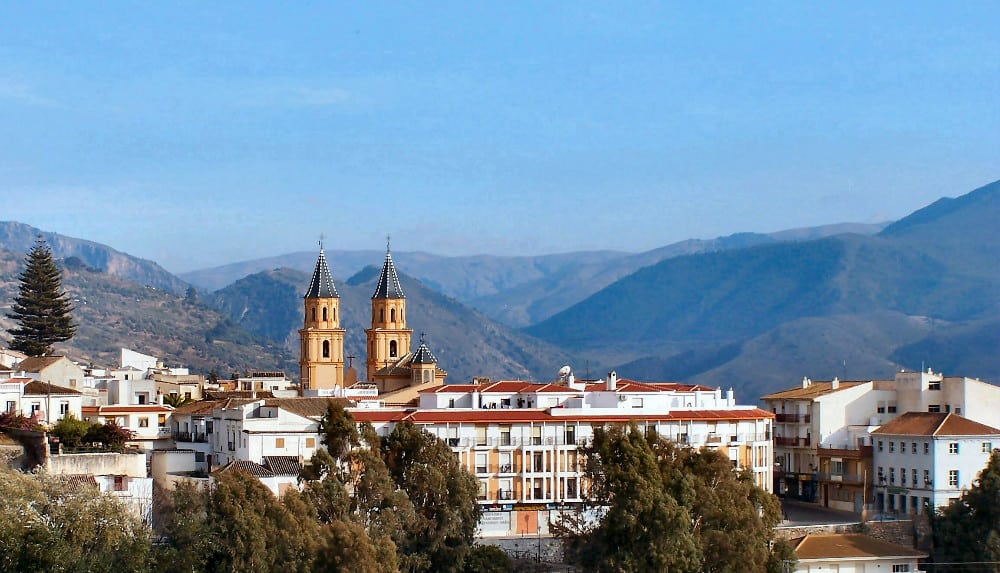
(208, 135)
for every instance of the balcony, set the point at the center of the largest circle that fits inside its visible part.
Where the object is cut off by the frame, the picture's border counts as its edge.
(191, 437)
(840, 478)
(793, 442)
(792, 418)
(853, 452)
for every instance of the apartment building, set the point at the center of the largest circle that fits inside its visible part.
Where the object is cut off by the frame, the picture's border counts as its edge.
(928, 458)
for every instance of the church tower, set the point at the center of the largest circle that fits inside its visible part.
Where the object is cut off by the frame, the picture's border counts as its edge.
(321, 358)
(388, 338)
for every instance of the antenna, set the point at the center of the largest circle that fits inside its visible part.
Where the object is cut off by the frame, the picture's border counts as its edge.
(321, 237)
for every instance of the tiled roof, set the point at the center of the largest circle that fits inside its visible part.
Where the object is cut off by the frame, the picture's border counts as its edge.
(283, 465)
(453, 388)
(199, 407)
(321, 285)
(312, 407)
(851, 546)
(934, 424)
(38, 363)
(79, 481)
(133, 409)
(366, 415)
(388, 281)
(247, 467)
(814, 390)
(223, 394)
(423, 355)
(36, 388)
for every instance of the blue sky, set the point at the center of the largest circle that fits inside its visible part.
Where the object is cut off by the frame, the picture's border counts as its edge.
(202, 133)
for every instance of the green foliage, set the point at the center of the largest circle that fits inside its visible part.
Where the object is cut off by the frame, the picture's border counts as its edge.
(969, 530)
(663, 507)
(110, 435)
(48, 524)
(16, 421)
(41, 309)
(71, 430)
(340, 433)
(176, 400)
(487, 559)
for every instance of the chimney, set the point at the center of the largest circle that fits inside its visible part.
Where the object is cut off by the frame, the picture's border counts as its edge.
(806, 382)
(730, 397)
(612, 381)
(835, 383)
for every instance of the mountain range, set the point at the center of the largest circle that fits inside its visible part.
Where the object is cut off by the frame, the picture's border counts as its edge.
(751, 311)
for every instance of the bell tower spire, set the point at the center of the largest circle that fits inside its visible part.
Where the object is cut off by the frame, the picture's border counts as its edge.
(388, 337)
(321, 356)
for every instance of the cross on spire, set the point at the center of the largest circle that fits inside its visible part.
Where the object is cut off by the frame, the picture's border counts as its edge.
(321, 237)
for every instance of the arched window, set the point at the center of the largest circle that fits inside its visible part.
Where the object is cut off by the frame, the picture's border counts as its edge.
(334, 312)
(324, 313)
(381, 315)
(392, 315)
(392, 349)
(314, 313)
(427, 375)
(326, 349)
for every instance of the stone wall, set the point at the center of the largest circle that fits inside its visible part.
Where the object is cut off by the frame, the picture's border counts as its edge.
(548, 549)
(899, 532)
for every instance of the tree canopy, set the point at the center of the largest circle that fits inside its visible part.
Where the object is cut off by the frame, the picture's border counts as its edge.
(657, 506)
(41, 309)
(968, 531)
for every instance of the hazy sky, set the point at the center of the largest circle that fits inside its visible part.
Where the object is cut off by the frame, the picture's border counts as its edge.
(202, 133)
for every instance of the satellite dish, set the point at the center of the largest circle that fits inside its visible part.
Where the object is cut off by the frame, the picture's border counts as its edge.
(565, 371)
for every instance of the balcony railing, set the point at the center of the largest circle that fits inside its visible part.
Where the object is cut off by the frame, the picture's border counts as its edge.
(191, 437)
(794, 442)
(841, 478)
(792, 418)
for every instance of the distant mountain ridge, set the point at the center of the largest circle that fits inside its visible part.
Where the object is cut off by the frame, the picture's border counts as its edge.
(515, 290)
(850, 305)
(19, 238)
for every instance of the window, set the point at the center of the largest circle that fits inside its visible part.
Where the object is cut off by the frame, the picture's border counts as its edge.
(504, 435)
(505, 463)
(480, 435)
(953, 478)
(927, 448)
(902, 476)
(161, 421)
(279, 443)
(913, 448)
(892, 475)
(880, 409)
(536, 436)
(571, 434)
(481, 463)
(427, 375)
(571, 488)
(392, 349)
(927, 477)
(451, 402)
(121, 484)
(64, 408)
(381, 315)
(482, 489)
(936, 385)
(986, 447)
(314, 314)
(892, 409)
(892, 446)
(143, 422)
(326, 349)
(935, 408)
(537, 462)
(913, 475)
(836, 467)
(901, 568)
(324, 313)
(35, 408)
(637, 402)
(881, 473)
(392, 315)
(953, 448)
(310, 442)
(880, 445)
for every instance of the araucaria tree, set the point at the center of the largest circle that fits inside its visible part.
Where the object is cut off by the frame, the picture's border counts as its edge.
(41, 309)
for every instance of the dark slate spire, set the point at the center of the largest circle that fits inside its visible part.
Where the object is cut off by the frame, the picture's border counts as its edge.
(388, 281)
(321, 285)
(423, 354)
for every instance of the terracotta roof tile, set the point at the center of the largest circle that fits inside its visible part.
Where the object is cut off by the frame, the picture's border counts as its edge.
(247, 467)
(36, 388)
(814, 390)
(366, 415)
(38, 363)
(283, 465)
(198, 407)
(850, 545)
(934, 424)
(305, 407)
(535, 415)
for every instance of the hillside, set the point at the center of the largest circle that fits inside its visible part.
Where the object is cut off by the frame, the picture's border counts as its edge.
(113, 313)
(770, 314)
(19, 238)
(516, 291)
(465, 342)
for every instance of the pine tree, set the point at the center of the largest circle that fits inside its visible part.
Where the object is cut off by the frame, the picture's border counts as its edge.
(41, 308)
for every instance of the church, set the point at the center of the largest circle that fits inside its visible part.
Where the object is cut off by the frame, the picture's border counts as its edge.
(391, 365)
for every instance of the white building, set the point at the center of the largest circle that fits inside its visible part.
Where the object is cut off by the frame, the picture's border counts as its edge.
(149, 422)
(853, 553)
(926, 458)
(42, 401)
